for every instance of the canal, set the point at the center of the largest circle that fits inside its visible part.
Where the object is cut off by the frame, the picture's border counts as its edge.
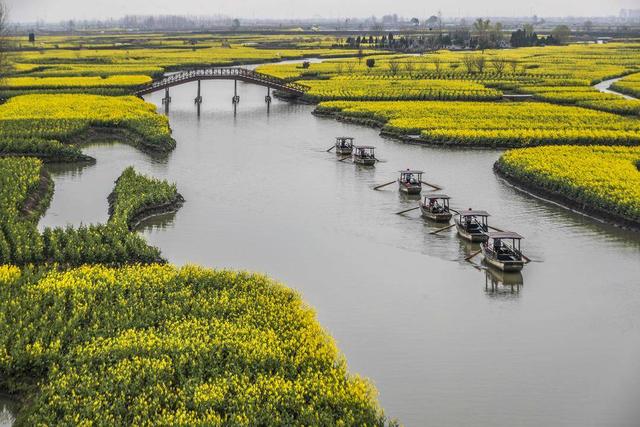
(444, 341)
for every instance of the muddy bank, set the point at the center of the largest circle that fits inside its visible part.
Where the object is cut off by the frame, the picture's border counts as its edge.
(565, 201)
(37, 202)
(149, 211)
(97, 134)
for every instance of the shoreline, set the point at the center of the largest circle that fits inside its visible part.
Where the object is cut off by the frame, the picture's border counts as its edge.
(408, 137)
(109, 134)
(37, 201)
(566, 202)
(147, 212)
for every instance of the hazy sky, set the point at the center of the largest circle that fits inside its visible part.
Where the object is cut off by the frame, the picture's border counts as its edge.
(56, 10)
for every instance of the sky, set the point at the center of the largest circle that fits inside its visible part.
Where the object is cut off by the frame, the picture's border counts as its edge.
(58, 10)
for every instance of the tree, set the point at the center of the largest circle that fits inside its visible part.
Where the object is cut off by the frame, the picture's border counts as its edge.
(235, 24)
(409, 68)
(514, 65)
(499, 64)
(371, 62)
(431, 22)
(588, 26)
(4, 65)
(482, 27)
(524, 37)
(394, 66)
(480, 62)
(561, 33)
(415, 22)
(469, 63)
(437, 62)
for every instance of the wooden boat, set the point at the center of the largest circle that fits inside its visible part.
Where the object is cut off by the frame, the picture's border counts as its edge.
(410, 181)
(473, 225)
(436, 207)
(364, 155)
(344, 145)
(502, 251)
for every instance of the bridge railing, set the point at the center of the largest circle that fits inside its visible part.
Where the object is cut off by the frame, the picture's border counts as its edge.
(230, 73)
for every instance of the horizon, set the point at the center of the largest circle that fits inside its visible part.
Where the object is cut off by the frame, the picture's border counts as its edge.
(64, 10)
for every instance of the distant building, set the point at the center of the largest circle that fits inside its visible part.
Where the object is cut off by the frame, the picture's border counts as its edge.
(630, 14)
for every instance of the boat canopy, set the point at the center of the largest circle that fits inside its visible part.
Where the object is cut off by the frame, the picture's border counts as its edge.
(437, 196)
(411, 172)
(345, 137)
(365, 147)
(474, 213)
(499, 235)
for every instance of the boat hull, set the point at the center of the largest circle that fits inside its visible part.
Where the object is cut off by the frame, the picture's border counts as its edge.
(506, 266)
(410, 188)
(344, 151)
(475, 237)
(436, 217)
(364, 161)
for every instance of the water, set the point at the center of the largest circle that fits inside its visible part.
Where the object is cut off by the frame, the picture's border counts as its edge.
(605, 85)
(559, 345)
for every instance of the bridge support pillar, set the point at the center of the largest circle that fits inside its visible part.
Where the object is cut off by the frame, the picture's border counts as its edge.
(166, 100)
(267, 98)
(236, 99)
(198, 100)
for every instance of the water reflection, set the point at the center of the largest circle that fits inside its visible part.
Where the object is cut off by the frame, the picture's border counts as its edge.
(498, 284)
(157, 222)
(68, 170)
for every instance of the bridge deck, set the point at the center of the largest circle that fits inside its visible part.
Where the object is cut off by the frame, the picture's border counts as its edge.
(241, 74)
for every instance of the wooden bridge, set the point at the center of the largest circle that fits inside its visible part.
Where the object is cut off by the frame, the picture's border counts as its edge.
(236, 74)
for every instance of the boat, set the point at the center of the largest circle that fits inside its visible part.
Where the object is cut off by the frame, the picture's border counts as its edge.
(502, 251)
(364, 155)
(473, 225)
(436, 207)
(344, 145)
(410, 181)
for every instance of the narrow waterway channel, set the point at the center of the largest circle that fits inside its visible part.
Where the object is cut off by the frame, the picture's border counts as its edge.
(445, 343)
(605, 87)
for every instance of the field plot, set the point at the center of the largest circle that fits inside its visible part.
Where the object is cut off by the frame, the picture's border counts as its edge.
(371, 88)
(492, 124)
(603, 178)
(36, 124)
(556, 74)
(169, 346)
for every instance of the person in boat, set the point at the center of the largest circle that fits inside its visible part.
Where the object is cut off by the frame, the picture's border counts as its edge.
(406, 177)
(467, 220)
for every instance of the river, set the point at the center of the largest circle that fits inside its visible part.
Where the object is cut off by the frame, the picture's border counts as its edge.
(446, 344)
